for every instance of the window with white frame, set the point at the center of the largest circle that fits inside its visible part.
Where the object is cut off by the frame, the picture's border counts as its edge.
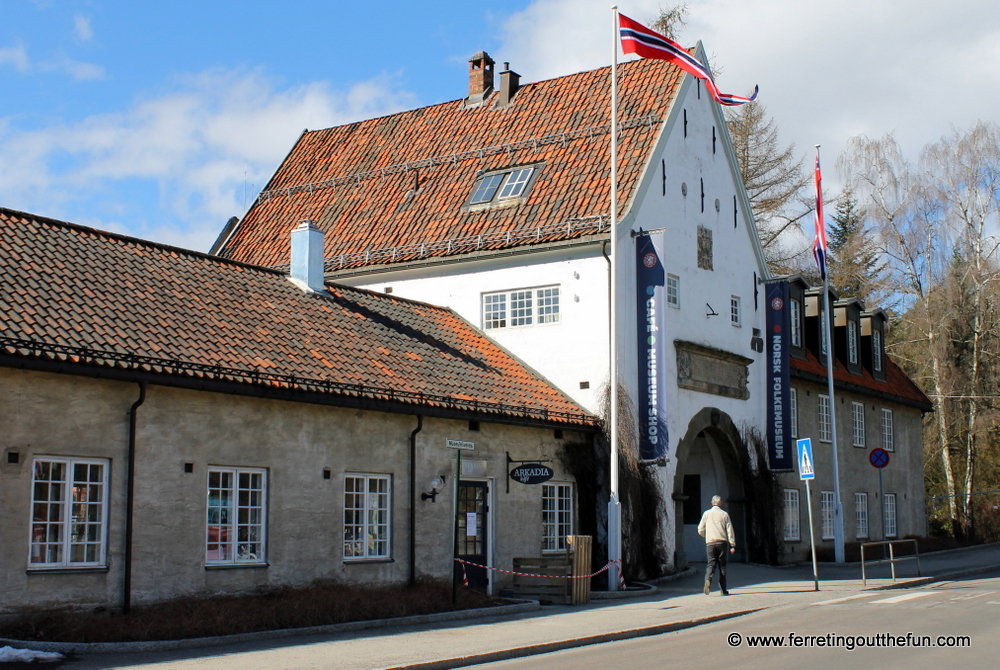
(889, 512)
(734, 310)
(887, 442)
(825, 428)
(795, 312)
(792, 530)
(499, 186)
(367, 500)
(858, 423)
(521, 307)
(826, 512)
(69, 512)
(877, 350)
(852, 342)
(793, 409)
(557, 516)
(237, 516)
(861, 515)
(673, 291)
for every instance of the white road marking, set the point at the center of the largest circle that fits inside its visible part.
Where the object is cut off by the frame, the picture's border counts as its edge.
(899, 599)
(840, 600)
(973, 595)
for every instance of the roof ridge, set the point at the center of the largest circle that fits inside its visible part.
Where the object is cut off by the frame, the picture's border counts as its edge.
(136, 240)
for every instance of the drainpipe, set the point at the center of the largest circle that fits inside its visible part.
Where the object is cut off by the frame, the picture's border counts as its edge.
(130, 498)
(413, 499)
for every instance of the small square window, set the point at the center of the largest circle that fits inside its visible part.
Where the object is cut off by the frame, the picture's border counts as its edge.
(734, 310)
(486, 188)
(515, 183)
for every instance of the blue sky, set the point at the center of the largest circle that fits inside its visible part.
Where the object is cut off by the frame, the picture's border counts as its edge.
(160, 119)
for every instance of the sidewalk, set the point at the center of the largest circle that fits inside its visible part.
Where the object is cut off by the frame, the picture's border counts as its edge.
(673, 606)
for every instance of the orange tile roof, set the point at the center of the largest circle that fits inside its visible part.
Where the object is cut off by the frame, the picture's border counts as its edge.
(357, 181)
(897, 385)
(153, 308)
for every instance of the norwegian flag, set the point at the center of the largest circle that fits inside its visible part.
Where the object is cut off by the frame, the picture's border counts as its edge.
(819, 244)
(638, 39)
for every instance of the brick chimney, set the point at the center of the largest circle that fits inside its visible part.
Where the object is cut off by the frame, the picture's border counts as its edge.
(480, 78)
(510, 81)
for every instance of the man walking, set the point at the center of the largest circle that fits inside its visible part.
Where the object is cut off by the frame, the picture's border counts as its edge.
(717, 530)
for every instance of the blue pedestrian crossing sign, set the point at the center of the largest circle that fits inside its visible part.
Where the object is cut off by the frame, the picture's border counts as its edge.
(805, 449)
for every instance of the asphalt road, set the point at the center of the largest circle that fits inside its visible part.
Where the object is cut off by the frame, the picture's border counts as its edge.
(965, 614)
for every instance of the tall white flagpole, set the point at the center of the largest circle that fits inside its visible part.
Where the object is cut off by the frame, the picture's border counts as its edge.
(838, 510)
(614, 506)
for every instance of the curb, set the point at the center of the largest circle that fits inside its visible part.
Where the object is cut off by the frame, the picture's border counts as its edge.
(219, 640)
(920, 581)
(548, 647)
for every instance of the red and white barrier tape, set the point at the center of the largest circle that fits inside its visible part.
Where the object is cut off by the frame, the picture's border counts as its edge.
(529, 574)
(465, 577)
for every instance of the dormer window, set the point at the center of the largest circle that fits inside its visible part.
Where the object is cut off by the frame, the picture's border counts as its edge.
(795, 310)
(501, 187)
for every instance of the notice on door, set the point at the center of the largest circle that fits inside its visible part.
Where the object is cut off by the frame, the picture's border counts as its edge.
(470, 524)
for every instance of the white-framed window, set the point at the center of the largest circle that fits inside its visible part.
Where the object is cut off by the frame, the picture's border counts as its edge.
(69, 513)
(877, 350)
(852, 342)
(795, 313)
(734, 310)
(673, 291)
(889, 512)
(521, 307)
(792, 529)
(236, 526)
(858, 423)
(499, 186)
(861, 515)
(887, 442)
(367, 507)
(826, 511)
(793, 410)
(557, 516)
(825, 428)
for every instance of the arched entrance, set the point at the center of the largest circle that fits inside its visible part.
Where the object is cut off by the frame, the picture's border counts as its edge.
(707, 465)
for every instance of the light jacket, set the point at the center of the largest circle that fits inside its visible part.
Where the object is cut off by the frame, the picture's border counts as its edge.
(715, 526)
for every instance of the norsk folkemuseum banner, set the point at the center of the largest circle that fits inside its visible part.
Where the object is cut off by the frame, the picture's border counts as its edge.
(650, 304)
(779, 441)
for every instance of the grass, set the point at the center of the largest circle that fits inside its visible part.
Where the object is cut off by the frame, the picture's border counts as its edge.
(322, 603)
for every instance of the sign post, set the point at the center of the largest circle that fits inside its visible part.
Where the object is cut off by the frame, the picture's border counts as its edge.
(806, 473)
(879, 458)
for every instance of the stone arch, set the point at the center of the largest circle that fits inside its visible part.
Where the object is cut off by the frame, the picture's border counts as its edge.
(707, 454)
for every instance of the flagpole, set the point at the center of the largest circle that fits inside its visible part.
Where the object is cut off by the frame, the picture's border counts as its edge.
(614, 507)
(838, 512)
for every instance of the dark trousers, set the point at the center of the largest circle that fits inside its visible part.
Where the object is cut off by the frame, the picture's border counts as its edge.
(718, 554)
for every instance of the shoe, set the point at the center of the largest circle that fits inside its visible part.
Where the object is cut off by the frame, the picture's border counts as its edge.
(708, 588)
(725, 593)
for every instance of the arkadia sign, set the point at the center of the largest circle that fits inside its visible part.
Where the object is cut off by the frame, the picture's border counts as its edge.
(780, 456)
(650, 303)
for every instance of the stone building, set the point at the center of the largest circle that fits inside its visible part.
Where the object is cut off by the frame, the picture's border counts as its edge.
(175, 424)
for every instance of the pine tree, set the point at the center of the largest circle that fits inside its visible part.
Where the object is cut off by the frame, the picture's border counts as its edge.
(855, 266)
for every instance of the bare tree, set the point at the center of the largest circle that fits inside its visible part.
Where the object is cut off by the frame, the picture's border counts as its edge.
(775, 183)
(671, 20)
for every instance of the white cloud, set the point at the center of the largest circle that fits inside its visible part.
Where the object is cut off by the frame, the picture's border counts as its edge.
(16, 56)
(827, 71)
(81, 28)
(189, 151)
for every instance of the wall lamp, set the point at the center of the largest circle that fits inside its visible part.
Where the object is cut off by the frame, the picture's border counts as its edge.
(434, 485)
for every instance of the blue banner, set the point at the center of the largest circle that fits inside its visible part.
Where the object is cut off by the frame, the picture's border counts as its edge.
(650, 304)
(779, 425)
